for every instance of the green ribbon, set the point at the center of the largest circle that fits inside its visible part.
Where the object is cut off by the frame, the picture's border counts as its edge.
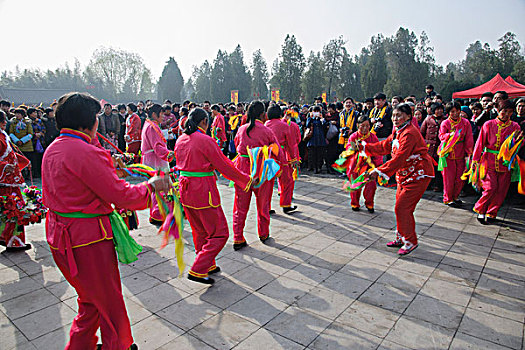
(442, 163)
(126, 247)
(244, 155)
(488, 150)
(196, 173)
(515, 175)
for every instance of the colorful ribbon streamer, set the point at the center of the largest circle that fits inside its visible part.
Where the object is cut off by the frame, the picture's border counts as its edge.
(446, 147)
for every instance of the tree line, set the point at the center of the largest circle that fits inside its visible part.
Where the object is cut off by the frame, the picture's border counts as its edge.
(401, 64)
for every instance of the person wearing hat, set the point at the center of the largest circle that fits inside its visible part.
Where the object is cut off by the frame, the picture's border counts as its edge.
(454, 164)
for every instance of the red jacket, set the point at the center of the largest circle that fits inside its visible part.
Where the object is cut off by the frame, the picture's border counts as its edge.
(200, 153)
(133, 128)
(410, 159)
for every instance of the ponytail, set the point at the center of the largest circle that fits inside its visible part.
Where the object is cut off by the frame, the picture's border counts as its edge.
(196, 116)
(255, 109)
(154, 108)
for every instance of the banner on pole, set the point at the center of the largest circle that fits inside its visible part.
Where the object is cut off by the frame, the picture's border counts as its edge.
(235, 96)
(275, 95)
(324, 97)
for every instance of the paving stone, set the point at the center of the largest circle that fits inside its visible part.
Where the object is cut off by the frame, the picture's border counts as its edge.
(369, 318)
(389, 345)
(62, 290)
(457, 275)
(223, 293)
(257, 308)
(13, 289)
(309, 274)
(55, 340)
(339, 336)
(506, 286)
(286, 289)
(164, 271)
(464, 341)
(55, 316)
(11, 274)
(154, 332)
(446, 291)
(402, 279)
(224, 331)
(505, 270)
(347, 285)
(186, 342)
(252, 277)
(136, 311)
(324, 302)
(188, 312)
(329, 261)
(138, 283)
(387, 297)
(385, 258)
(417, 334)
(493, 328)
(364, 269)
(498, 304)
(435, 311)
(263, 339)
(159, 297)
(298, 325)
(11, 337)
(28, 303)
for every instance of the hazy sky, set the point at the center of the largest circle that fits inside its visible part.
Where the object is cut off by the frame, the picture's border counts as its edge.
(48, 33)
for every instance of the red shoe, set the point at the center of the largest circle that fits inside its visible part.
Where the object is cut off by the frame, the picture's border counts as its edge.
(395, 243)
(407, 248)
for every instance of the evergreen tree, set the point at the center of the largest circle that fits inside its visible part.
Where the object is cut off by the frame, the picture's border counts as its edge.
(221, 78)
(509, 53)
(291, 67)
(171, 82)
(348, 83)
(333, 55)
(313, 82)
(240, 78)
(374, 67)
(259, 76)
(202, 82)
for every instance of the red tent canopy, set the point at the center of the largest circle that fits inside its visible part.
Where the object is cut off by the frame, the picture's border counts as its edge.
(495, 84)
(511, 81)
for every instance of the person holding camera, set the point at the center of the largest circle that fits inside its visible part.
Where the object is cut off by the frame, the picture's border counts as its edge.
(317, 125)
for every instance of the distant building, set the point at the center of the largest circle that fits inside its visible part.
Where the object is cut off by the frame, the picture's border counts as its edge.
(20, 96)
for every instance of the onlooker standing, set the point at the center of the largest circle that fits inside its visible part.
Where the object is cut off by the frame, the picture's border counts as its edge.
(316, 145)
(39, 131)
(381, 117)
(108, 126)
(21, 133)
(430, 132)
(50, 124)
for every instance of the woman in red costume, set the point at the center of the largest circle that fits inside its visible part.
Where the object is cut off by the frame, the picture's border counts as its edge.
(198, 155)
(251, 135)
(80, 185)
(11, 179)
(456, 159)
(413, 168)
(286, 137)
(497, 179)
(363, 134)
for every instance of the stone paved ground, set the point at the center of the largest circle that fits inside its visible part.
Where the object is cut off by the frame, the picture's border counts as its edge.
(325, 281)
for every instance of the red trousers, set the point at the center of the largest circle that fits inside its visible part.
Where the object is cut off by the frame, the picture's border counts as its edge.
(286, 185)
(452, 183)
(210, 233)
(8, 234)
(100, 301)
(495, 187)
(407, 197)
(369, 192)
(241, 204)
